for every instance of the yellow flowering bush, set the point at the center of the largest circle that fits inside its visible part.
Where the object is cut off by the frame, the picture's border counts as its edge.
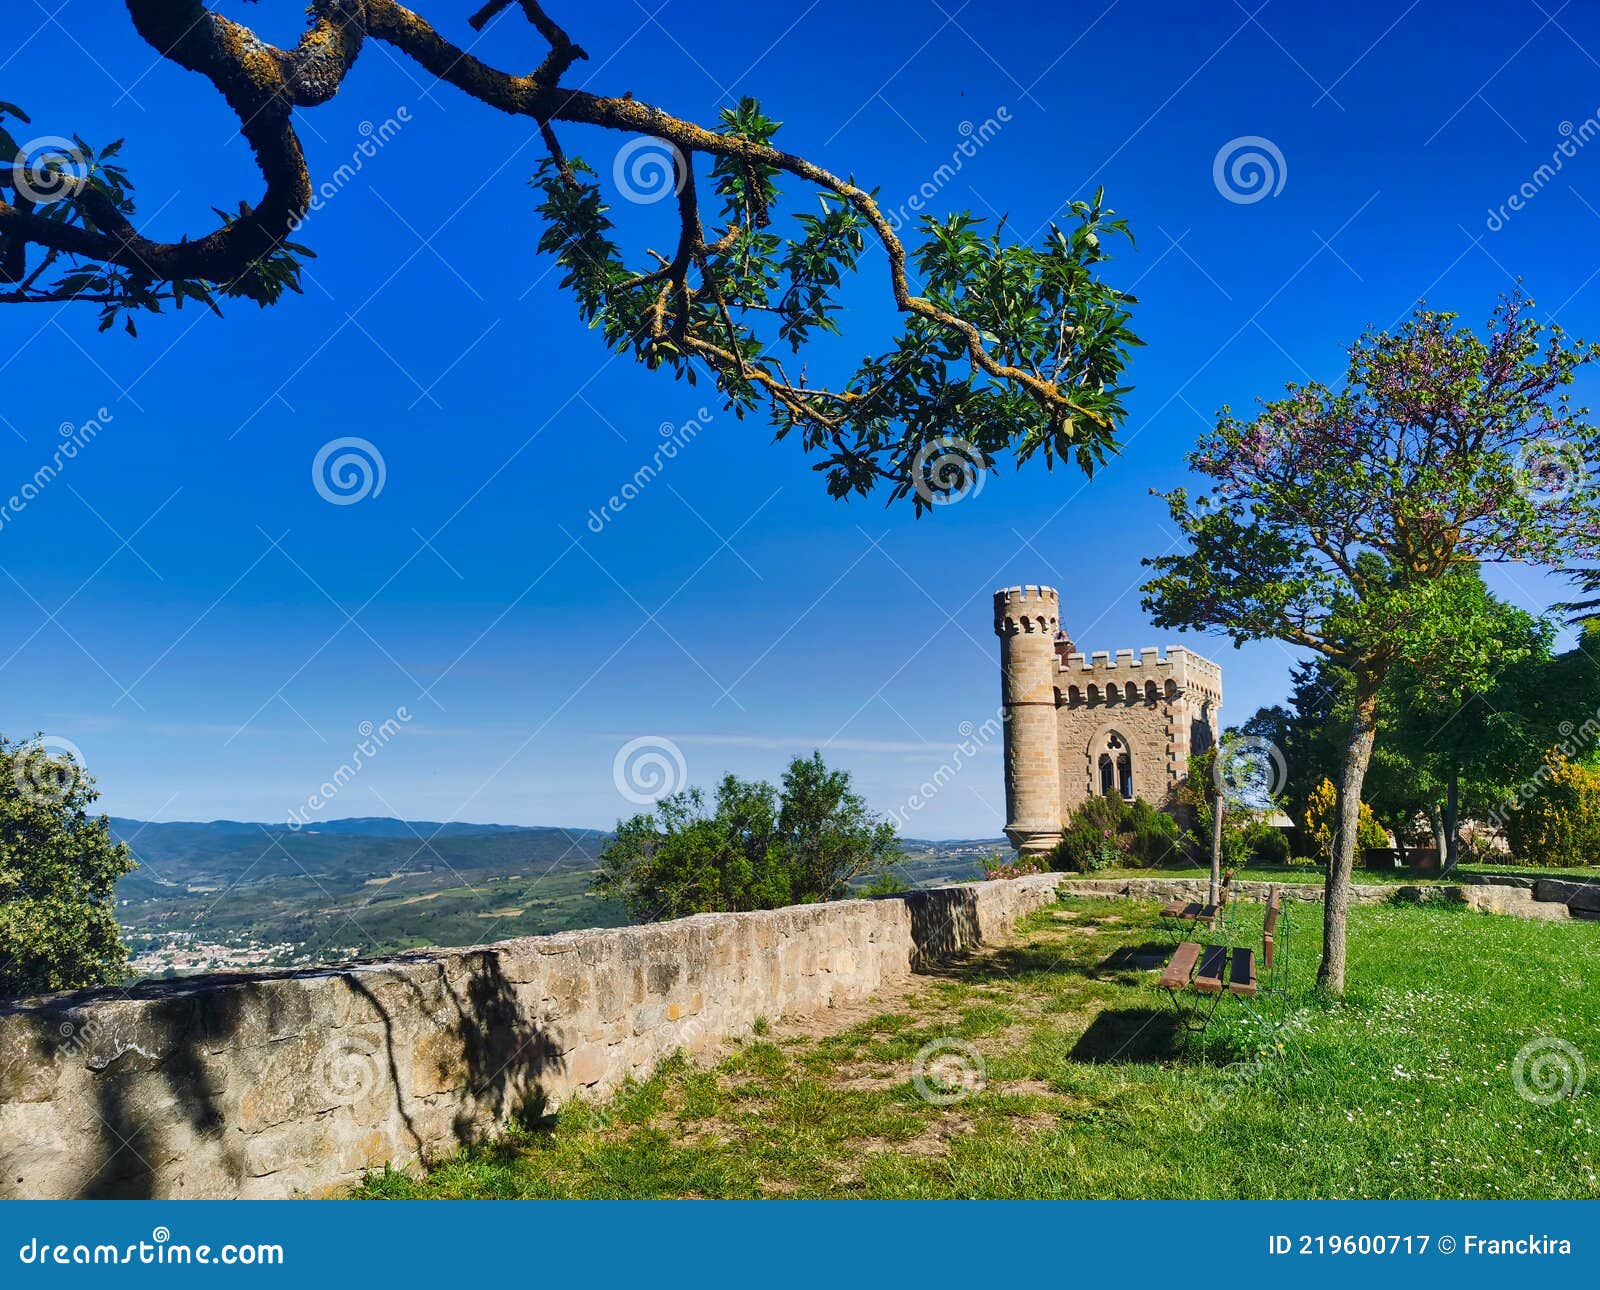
(1560, 824)
(1322, 815)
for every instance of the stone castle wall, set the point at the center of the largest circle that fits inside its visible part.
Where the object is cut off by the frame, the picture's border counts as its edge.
(1062, 709)
(1154, 731)
(289, 1083)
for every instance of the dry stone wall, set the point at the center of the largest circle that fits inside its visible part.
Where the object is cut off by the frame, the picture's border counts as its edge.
(1544, 899)
(293, 1083)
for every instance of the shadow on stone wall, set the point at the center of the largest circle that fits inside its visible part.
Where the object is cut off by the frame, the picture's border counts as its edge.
(172, 1066)
(508, 1054)
(237, 1083)
(944, 924)
(155, 1073)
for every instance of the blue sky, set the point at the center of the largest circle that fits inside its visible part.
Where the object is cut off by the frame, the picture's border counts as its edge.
(183, 606)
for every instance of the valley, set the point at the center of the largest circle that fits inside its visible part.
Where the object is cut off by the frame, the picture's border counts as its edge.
(233, 894)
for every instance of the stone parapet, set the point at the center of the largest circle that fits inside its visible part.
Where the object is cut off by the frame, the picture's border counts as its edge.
(274, 1084)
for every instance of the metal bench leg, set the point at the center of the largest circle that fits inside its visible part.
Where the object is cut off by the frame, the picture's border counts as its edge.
(1195, 1019)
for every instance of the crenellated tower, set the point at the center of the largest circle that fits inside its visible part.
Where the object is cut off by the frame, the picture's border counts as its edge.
(1078, 726)
(1027, 620)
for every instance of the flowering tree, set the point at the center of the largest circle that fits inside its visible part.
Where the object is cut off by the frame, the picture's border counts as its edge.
(999, 345)
(1340, 519)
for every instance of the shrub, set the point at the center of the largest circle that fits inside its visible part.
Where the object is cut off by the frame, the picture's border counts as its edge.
(1084, 849)
(1156, 839)
(1106, 831)
(1267, 844)
(1370, 835)
(997, 866)
(1322, 816)
(756, 848)
(1198, 795)
(1559, 825)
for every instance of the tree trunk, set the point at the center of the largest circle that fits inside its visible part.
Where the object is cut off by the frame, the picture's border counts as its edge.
(1216, 849)
(1400, 826)
(1436, 824)
(1452, 821)
(1336, 901)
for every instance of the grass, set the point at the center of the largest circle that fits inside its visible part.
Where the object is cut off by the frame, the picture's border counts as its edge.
(1404, 1089)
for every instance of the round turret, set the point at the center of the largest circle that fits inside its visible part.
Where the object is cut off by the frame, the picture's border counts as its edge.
(1028, 620)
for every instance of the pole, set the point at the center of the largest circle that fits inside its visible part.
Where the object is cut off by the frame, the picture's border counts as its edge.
(1215, 889)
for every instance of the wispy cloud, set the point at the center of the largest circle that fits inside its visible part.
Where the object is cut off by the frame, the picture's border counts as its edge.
(800, 743)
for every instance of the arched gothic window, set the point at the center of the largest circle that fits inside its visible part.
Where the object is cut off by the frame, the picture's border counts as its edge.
(1115, 766)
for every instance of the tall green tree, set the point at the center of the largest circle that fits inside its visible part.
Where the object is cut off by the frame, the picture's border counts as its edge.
(1339, 517)
(1470, 732)
(754, 848)
(58, 875)
(1309, 732)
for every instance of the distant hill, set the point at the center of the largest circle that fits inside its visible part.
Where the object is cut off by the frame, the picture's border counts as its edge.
(235, 893)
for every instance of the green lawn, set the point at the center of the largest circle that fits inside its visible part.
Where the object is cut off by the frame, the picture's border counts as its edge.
(1403, 1090)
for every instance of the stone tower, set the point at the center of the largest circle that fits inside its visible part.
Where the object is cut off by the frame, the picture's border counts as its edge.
(1027, 619)
(1076, 727)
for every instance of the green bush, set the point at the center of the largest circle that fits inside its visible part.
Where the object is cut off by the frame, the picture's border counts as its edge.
(1156, 839)
(1559, 825)
(754, 847)
(1083, 849)
(1370, 835)
(1267, 845)
(1108, 831)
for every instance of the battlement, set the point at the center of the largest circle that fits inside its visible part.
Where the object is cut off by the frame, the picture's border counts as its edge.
(1030, 609)
(1080, 726)
(1185, 669)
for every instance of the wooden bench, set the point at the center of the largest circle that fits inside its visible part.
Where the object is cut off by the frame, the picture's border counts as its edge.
(1216, 970)
(1193, 911)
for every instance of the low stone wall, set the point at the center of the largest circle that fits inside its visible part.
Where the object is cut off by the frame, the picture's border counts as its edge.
(1196, 889)
(1575, 894)
(287, 1083)
(1522, 899)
